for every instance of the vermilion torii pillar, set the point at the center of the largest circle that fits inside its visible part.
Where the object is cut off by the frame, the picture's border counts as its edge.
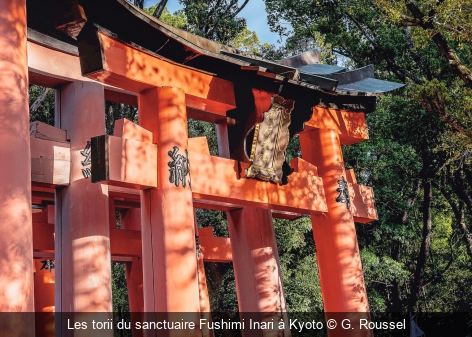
(204, 297)
(340, 268)
(170, 262)
(82, 231)
(257, 270)
(16, 242)
(256, 262)
(131, 220)
(44, 299)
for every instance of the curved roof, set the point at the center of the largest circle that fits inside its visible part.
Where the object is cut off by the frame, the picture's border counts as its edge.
(188, 49)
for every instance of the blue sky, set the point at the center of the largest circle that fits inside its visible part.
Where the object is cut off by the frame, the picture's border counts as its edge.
(254, 13)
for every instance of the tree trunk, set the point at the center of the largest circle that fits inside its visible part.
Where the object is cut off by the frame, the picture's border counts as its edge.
(411, 201)
(37, 103)
(460, 187)
(426, 22)
(466, 232)
(159, 9)
(396, 303)
(424, 250)
(139, 3)
(458, 211)
(434, 106)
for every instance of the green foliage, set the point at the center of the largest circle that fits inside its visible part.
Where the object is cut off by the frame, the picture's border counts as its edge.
(198, 128)
(393, 161)
(451, 17)
(246, 41)
(41, 102)
(298, 265)
(118, 287)
(368, 33)
(380, 273)
(271, 52)
(115, 111)
(178, 19)
(216, 20)
(242, 38)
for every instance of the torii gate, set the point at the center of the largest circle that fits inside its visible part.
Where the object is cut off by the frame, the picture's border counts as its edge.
(138, 157)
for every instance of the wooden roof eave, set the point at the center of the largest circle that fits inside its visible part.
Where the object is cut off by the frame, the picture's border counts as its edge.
(197, 52)
(107, 59)
(148, 26)
(197, 46)
(136, 46)
(291, 73)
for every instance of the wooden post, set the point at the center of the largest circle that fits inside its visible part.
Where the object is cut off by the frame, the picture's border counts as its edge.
(44, 299)
(337, 251)
(16, 241)
(131, 220)
(169, 252)
(256, 261)
(134, 284)
(222, 138)
(82, 245)
(205, 309)
(44, 279)
(257, 270)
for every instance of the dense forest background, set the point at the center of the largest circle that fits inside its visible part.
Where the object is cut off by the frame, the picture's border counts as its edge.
(418, 256)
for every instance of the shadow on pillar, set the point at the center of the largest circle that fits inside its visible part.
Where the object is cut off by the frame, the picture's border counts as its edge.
(257, 272)
(339, 262)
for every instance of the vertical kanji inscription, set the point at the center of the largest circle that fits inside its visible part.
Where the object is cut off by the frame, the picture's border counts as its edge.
(179, 168)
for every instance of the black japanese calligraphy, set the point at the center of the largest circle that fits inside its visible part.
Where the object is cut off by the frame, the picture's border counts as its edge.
(48, 265)
(343, 190)
(179, 168)
(87, 153)
(198, 246)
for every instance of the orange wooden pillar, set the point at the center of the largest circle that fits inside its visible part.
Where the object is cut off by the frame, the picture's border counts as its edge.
(205, 309)
(257, 270)
(82, 242)
(204, 297)
(168, 233)
(16, 241)
(134, 285)
(44, 299)
(222, 138)
(44, 279)
(131, 219)
(341, 277)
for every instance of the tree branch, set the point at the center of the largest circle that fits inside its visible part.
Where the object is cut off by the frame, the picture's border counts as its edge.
(426, 22)
(159, 9)
(241, 8)
(37, 103)
(436, 107)
(409, 21)
(393, 66)
(466, 232)
(139, 3)
(411, 201)
(208, 28)
(460, 218)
